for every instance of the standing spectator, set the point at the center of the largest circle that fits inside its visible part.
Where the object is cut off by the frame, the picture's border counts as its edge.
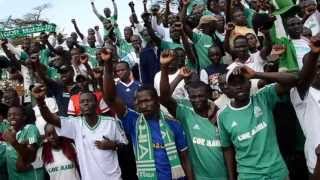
(305, 100)
(247, 130)
(23, 141)
(195, 116)
(166, 154)
(126, 86)
(96, 137)
(59, 156)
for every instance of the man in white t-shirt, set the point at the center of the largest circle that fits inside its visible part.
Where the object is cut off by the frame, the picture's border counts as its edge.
(306, 102)
(96, 137)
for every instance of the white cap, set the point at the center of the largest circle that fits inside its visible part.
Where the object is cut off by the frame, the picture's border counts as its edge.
(231, 68)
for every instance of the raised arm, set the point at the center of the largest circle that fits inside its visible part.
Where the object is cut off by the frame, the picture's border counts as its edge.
(166, 14)
(77, 29)
(182, 16)
(147, 24)
(39, 93)
(309, 67)
(98, 36)
(133, 13)
(165, 93)
(11, 48)
(115, 10)
(229, 28)
(109, 88)
(94, 9)
(191, 54)
(10, 55)
(267, 45)
(145, 9)
(45, 41)
(285, 81)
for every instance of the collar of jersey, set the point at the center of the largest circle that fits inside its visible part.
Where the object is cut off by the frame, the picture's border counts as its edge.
(241, 108)
(89, 127)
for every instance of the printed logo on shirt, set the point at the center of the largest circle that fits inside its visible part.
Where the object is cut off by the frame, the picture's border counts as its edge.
(196, 127)
(253, 132)
(257, 111)
(207, 45)
(234, 124)
(206, 142)
(60, 168)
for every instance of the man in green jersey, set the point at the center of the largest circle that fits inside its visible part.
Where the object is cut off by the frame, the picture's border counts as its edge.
(247, 129)
(202, 132)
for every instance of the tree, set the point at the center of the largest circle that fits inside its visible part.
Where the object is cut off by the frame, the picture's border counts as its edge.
(33, 17)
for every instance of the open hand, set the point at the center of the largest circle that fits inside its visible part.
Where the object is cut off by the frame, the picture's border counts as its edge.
(167, 57)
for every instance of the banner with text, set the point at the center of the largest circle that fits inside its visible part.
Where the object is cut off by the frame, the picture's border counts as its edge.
(24, 31)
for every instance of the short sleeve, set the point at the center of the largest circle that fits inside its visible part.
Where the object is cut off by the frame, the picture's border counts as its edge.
(269, 95)
(179, 135)
(129, 121)
(295, 97)
(33, 135)
(204, 76)
(156, 82)
(68, 127)
(181, 110)
(224, 135)
(71, 108)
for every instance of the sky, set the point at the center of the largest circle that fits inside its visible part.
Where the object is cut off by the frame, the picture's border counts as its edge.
(62, 11)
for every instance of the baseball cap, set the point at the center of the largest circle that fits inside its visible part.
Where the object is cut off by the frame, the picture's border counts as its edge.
(231, 69)
(206, 19)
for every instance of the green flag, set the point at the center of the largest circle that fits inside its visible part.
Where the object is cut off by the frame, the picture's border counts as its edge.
(24, 31)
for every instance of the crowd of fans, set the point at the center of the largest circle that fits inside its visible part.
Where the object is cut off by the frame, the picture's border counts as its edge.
(194, 89)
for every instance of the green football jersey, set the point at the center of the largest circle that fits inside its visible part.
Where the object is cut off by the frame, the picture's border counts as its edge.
(204, 144)
(202, 43)
(30, 135)
(251, 131)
